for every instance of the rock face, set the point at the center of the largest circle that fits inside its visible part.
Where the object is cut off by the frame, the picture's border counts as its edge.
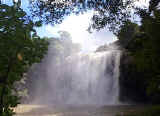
(132, 86)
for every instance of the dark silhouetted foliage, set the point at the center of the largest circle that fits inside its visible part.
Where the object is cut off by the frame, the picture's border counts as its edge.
(108, 12)
(20, 47)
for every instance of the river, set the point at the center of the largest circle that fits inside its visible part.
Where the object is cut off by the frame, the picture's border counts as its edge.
(110, 110)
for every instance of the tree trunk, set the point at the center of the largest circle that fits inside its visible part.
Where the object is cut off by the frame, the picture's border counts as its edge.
(17, 4)
(2, 94)
(2, 100)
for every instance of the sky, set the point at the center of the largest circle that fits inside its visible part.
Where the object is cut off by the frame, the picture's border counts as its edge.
(77, 26)
(142, 3)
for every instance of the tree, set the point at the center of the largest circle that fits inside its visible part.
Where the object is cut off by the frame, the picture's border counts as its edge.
(108, 12)
(127, 32)
(20, 47)
(144, 49)
(67, 44)
(150, 51)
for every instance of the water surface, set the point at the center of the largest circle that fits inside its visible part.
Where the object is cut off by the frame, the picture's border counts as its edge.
(110, 110)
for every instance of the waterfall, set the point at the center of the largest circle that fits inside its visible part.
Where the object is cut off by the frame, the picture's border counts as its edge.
(79, 79)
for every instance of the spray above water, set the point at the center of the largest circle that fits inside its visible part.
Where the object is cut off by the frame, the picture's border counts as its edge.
(79, 79)
(93, 78)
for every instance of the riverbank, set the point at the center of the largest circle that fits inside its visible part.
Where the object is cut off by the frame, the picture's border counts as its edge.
(147, 111)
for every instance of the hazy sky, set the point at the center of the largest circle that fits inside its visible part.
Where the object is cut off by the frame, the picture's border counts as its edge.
(77, 27)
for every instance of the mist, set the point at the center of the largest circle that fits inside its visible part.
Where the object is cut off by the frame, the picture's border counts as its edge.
(72, 73)
(69, 77)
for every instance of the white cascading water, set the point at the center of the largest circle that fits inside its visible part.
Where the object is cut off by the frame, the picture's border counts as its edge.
(82, 79)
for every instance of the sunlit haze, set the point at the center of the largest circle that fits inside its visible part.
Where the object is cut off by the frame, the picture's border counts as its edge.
(77, 26)
(142, 3)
